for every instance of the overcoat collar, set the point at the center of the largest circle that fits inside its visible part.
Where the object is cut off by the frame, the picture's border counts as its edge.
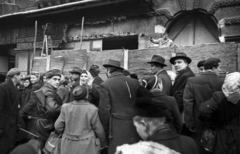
(161, 71)
(163, 133)
(182, 72)
(114, 74)
(209, 73)
(80, 102)
(49, 87)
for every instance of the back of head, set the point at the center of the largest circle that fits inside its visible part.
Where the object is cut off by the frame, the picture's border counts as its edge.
(200, 63)
(94, 70)
(80, 93)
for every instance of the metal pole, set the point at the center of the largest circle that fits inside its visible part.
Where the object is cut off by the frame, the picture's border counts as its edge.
(34, 46)
(28, 132)
(81, 33)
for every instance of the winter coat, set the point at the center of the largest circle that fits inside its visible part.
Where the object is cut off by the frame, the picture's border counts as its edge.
(63, 93)
(116, 109)
(48, 110)
(9, 101)
(25, 96)
(75, 84)
(97, 80)
(94, 95)
(179, 86)
(166, 81)
(226, 117)
(198, 90)
(172, 107)
(81, 127)
(168, 137)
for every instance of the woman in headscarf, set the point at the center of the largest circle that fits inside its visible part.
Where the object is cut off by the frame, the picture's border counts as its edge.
(86, 79)
(80, 124)
(223, 110)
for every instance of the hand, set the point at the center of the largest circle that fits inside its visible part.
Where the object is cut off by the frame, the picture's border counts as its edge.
(192, 129)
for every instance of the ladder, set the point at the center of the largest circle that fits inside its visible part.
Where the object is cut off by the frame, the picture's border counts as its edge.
(46, 40)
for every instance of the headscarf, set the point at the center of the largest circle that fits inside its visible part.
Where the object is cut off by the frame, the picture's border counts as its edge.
(231, 86)
(89, 80)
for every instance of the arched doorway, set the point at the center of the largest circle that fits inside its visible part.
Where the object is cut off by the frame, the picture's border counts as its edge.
(192, 28)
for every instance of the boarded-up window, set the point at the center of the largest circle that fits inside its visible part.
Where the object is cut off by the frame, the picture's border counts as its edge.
(192, 28)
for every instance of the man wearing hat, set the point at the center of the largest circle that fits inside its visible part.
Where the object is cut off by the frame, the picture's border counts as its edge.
(154, 124)
(9, 100)
(75, 73)
(48, 105)
(198, 90)
(157, 64)
(200, 66)
(180, 63)
(95, 70)
(116, 107)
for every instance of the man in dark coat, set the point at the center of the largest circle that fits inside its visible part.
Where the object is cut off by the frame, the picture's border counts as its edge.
(180, 62)
(95, 70)
(157, 64)
(153, 124)
(198, 90)
(116, 107)
(48, 106)
(9, 101)
(63, 91)
(75, 77)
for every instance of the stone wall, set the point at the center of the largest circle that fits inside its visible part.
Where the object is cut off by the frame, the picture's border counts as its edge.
(137, 59)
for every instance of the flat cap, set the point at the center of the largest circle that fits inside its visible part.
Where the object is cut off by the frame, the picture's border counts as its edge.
(13, 71)
(75, 70)
(211, 62)
(51, 73)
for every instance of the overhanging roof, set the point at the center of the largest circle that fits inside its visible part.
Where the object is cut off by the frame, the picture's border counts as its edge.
(64, 7)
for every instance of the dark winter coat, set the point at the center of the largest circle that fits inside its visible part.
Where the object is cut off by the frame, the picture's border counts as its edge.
(166, 81)
(63, 93)
(168, 137)
(25, 96)
(198, 90)
(116, 109)
(172, 107)
(94, 95)
(75, 84)
(48, 110)
(97, 80)
(9, 101)
(226, 117)
(179, 86)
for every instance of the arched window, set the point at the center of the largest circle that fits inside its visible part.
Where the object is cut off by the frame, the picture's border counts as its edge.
(192, 28)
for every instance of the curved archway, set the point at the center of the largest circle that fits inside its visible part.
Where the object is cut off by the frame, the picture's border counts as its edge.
(192, 28)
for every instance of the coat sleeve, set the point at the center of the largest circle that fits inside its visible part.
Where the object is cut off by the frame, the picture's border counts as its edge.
(2, 100)
(179, 93)
(207, 109)
(53, 107)
(98, 129)
(104, 107)
(60, 122)
(177, 118)
(188, 99)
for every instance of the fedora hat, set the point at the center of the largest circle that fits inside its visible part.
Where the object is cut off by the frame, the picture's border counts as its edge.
(157, 59)
(75, 70)
(113, 63)
(181, 55)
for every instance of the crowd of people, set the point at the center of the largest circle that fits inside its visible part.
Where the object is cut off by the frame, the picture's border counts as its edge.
(165, 112)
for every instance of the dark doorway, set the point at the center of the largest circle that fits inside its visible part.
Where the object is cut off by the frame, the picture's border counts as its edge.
(126, 42)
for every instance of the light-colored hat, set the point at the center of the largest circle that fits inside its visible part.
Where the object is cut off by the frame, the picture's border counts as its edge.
(13, 72)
